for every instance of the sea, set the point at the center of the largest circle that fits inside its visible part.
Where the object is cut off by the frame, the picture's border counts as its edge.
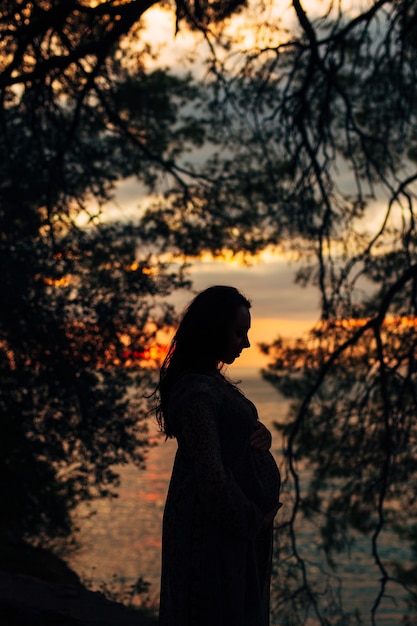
(120, 538)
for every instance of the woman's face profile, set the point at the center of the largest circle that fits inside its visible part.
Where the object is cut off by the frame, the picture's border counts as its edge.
(238, 336)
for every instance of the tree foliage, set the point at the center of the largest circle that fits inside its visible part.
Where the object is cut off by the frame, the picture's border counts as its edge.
(353, 387)
(79, 111)
(306, 148)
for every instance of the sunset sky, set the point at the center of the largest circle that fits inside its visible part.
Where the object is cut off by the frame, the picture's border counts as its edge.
(279, 306)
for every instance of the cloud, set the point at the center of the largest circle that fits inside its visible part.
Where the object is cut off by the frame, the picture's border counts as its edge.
(268, 285)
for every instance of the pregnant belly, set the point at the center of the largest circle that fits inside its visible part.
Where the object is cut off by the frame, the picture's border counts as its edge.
(262, 480)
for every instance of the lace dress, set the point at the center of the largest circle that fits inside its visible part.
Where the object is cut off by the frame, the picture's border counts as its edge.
(216, 557)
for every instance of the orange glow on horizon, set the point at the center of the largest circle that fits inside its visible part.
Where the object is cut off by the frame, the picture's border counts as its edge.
(265, 331)
(391, 320)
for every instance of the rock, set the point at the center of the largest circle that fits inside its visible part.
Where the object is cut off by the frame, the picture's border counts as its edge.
(22, 558)
(27, 601)
(38, 589)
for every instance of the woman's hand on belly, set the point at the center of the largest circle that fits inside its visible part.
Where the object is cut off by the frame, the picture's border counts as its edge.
(261, 438)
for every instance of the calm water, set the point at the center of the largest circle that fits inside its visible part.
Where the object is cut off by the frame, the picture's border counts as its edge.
(122, 541)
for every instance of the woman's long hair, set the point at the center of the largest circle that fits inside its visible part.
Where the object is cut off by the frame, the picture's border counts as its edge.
(199, 341)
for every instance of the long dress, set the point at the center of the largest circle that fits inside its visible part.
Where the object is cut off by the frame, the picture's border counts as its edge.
(216, 555)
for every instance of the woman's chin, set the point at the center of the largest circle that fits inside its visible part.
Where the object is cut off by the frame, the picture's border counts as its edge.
(232, 359)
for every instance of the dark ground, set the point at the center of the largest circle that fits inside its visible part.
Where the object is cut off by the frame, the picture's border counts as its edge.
(39, 589)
